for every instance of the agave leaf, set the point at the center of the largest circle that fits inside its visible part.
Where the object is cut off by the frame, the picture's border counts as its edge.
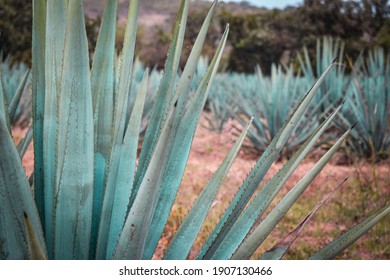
(102, 74)
(256, 175)
(55, 38)
(103, 85)
(73, 200)
(126, 168)
(125, 74)
(3, 103)
(349, 237)
(18, 94)
(278, 251)
(38, 100)
(35, 249)
(179, 149)
(188, 230)
(264, 198)
(25, 142)
(164, 95)
(16, 199)
(131, 242)
(118, 130)
(255, 238)
(183, 86)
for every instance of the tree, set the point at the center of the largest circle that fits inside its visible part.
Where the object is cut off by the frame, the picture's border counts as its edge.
(15, 29)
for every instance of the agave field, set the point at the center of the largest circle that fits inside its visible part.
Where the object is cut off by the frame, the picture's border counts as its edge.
(123, 162)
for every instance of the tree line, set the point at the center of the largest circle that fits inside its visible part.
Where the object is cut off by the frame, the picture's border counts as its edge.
(261, 37)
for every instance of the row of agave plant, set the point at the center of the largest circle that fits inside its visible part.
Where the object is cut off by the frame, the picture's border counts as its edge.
(91, 196)
(365, 87)
(271, 99)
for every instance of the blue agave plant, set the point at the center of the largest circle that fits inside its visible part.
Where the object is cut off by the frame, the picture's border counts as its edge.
(90, 199)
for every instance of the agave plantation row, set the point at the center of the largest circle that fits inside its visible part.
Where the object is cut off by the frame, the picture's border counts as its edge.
(365, 89)
(91, 196)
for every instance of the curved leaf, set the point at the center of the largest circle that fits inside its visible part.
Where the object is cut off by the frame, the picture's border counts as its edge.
(255, 238)
(186, 234)
(257, 174)
(16, 200)
(278, 251)
(348, 238)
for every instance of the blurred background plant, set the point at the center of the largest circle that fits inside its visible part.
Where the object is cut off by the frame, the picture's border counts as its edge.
(368, 104)
(16, 85)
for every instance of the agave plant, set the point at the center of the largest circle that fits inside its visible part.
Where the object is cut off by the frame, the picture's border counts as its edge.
(337, 84)
(272, 101)
(90, 199)
(220, 102)
(369, 105)
(153, 82)
(15, 92)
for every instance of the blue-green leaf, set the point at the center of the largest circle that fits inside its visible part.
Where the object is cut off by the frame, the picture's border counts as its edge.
(55, 36)
(255, 238)
(278, 251)
(164, 95)
(16, 200)
(73, 200)
(103, 88)
(349, 237)
(38, 101)
(36, 252)
(186, 234)
(118, 128)
(25, 142)
(126, 169)
(264, 198)
(257, 173)
(178, 151)
(3, 103)
(131, 243)
(18, 94)
(183, 87)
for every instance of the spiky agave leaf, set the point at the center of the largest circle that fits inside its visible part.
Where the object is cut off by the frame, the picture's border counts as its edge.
(73, 194)
(278, 251)
(186, 234)
(179, 148)
(264, 198)
(117, 133)
(18, 94)
(163, 98)
(256, 175)
(103, 90)
(3, 103)
(54, 51)
(126, 169)
(16, 200)
(36, 252)
(25, 142)
(349, 237)
(255, 238)
(38, 100)
(187, 111)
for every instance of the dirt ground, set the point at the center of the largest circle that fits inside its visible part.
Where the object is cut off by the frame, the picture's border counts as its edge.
(208, 151)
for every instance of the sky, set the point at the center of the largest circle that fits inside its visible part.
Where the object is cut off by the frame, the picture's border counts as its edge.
(270, 4)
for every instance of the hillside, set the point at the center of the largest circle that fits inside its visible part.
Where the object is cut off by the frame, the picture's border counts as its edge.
(161, 13)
